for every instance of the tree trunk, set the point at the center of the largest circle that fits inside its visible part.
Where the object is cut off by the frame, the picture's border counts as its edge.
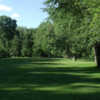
(97, 56)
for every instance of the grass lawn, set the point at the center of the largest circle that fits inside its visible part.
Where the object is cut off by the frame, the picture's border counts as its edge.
(48, 79)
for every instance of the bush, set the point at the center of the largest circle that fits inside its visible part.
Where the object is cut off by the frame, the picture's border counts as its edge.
(3, 53)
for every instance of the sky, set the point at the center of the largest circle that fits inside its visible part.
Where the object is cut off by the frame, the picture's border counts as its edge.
(28, 13)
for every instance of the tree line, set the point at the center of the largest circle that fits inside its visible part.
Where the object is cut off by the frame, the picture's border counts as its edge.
(71, 30)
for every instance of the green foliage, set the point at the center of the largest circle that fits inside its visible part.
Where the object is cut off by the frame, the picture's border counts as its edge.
(3, 51)
(26, 38)
(7, 27)
(15, 46)
(45, 40)
(76, 25)
(71, 30)
(7, 32)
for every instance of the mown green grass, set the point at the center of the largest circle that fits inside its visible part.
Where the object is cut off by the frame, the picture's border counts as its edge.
(48, 79)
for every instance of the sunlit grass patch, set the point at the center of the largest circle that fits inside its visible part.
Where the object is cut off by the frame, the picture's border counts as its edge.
(46, 79)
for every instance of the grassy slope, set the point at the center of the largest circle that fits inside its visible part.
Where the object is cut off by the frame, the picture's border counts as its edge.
(48, 79)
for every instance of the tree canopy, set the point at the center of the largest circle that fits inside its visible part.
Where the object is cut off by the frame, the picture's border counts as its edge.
(71, 30)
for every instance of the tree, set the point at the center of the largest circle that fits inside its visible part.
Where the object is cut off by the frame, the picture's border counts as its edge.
(67, 16)
(44, 42)
(15, 50)
(7, 27)
(26, 38)
(75, 20)
(7, 32)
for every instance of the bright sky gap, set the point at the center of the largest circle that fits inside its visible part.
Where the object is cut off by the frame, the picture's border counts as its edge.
(28, 13)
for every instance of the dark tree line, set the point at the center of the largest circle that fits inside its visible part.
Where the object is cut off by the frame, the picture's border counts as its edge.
(15, 41)
(72, 30)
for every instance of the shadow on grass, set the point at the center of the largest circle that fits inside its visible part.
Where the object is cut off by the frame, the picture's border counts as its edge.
(24, 80)
(28, 60)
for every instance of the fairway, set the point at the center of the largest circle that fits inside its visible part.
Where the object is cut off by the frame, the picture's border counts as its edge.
(48, 79)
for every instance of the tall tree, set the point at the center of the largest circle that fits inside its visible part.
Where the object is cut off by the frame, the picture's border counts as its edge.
(7, 31)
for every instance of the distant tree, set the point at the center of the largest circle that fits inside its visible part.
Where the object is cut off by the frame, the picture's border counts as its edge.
(7, 32)
(44, 41)
(7, 27)
(26, 37)
(15, 49)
